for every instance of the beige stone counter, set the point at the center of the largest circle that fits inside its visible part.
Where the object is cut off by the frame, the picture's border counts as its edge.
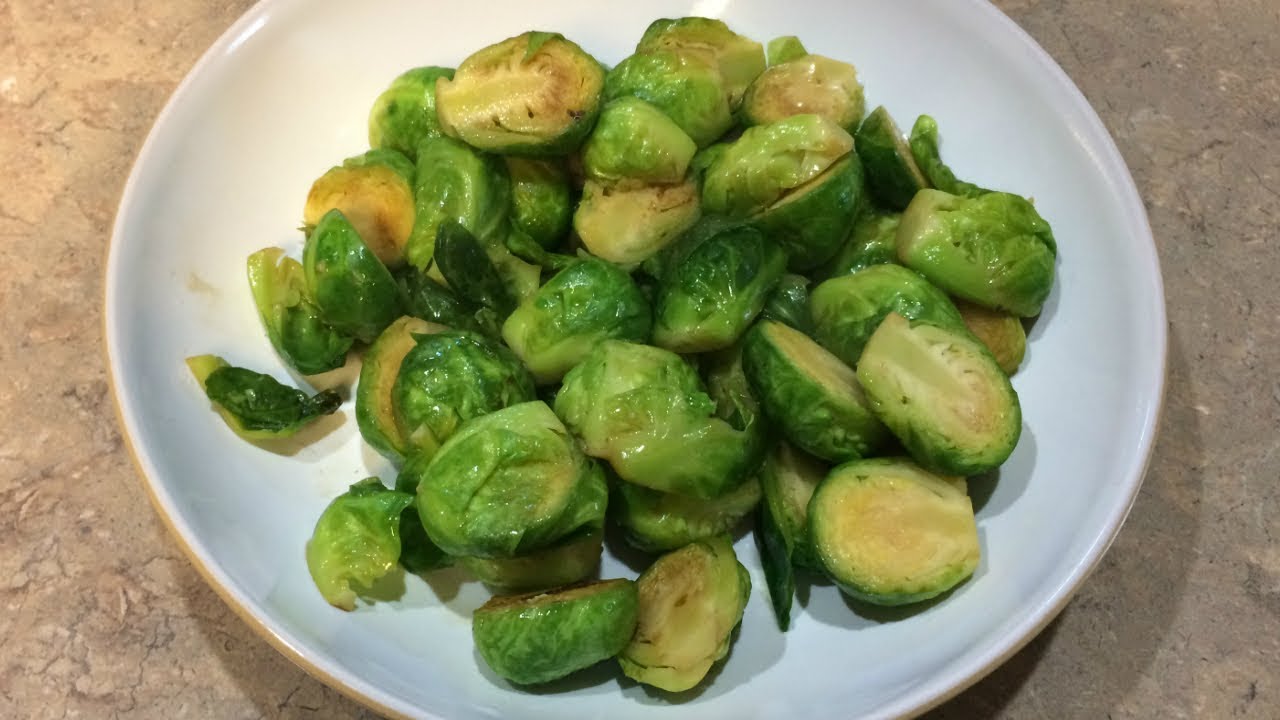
(104, 617)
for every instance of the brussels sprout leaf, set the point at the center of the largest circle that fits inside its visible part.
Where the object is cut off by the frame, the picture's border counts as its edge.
(255, 405)
(469, 270)
(925, 148)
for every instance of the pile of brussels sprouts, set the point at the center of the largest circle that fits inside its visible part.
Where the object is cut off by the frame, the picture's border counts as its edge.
(698, 287)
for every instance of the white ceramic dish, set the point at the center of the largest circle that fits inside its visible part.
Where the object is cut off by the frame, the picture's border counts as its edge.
(284, 94)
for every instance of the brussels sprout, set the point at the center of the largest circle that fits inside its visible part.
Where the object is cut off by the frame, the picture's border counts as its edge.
(1002, 333)
(429, 300)
(566, 562)
(784, 49)
(507, 484)
(766, 162)
(257, 406)
(739, 59)
(643, 409)
(656, 521)
(892, 174)
(539, 637)
(405, 113)
(926, 152)
(353, 289)
(470, 272)
(890, 533)
(687, 88)
(534, 94)
(714, 283)
(635, 140)
(789, 303)
(942, 394)
(450, 377)
(290, 315)
(577, 308)
(809, 394)
(847, 309)
(374, 191)
(628, 224)
(690, 600)
(356, 541)
(541, 199)
(455, 182)
(994, 250)
(787, 481)
(874, 241)
(375, 412)
(813, 222)
(811, 84)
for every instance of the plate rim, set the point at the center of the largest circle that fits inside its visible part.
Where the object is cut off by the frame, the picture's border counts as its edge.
(931, 693)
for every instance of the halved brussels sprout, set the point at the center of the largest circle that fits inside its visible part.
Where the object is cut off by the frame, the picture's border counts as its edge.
(994, 250)
(784, 49)
(542, 636)
(507, 484)
(353, 289)
(374, 191)
(942, 393)
(450, 377)
(656, 521)
(375, 411)
(456, 182)
(534, 94)
(810, 84)
(687, 88)
(566, 562)
(928, 156)
(356, 541)
(690, 600)
(257, 406)
(787, 482)
(813, 221)
(890, 533)
(290, 316)
(628, 224)
(578, 307)
(405, 113)
(541, 199)
(429, 300)
(874, 241)
(892, 174)
(739, 59)
(789, 303)
(635, 140)
(714, 283)
(1002, 333)
(809, 394)
(643, 409)
(768, 161)
(847, 309)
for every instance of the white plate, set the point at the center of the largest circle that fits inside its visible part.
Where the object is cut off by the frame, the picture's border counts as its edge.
(284, 94)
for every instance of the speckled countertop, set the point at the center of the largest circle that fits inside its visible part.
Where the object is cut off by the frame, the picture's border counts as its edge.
(104, 617)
